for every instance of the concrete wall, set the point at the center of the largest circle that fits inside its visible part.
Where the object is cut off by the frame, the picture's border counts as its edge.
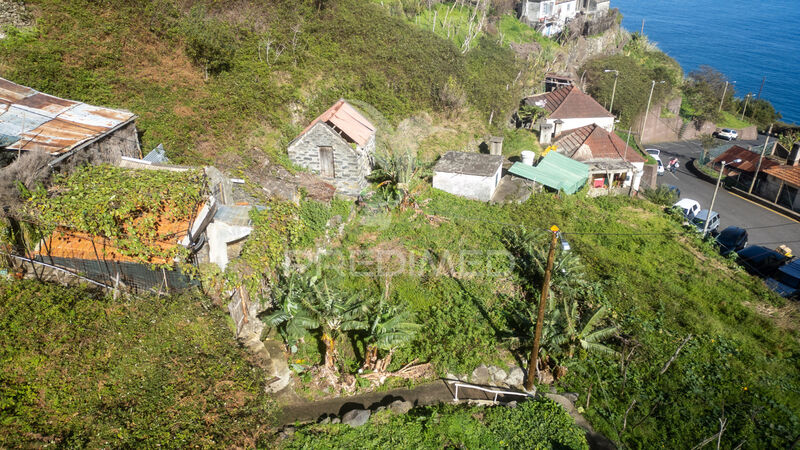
(649, 176)
(467, 186)
(350, 165)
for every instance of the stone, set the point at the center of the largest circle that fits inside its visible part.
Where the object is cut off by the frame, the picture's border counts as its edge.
(380, 408)
(335, 421)
(516, 376)
(480, 375)
(499, 377)
(571, 396)
(325, 421)
(356, 417)
(400, 406)
(512, 404)
(451, 377)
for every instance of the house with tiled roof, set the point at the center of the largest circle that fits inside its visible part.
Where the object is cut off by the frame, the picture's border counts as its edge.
(614, 166)
(567, 109)
(338, 146)
(782, 182)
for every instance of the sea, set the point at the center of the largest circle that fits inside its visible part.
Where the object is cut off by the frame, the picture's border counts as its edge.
(749, 41)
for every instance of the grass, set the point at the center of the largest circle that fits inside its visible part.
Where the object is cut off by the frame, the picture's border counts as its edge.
(84, 370)
(728, 120)
(660, 280)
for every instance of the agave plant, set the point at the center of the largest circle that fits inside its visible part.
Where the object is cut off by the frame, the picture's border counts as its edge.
(389, 328)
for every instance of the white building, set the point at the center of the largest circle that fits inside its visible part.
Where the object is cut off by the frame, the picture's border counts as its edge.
(548, 16)
(470, 175)
(567, 109)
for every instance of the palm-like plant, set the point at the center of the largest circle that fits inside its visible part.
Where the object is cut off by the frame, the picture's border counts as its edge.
(291, 317)
(390, 328)
(335, 313)
(587, 337)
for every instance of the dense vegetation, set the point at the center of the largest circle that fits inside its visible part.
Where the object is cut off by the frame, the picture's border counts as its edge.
(533, 424)
(659, 283)
(233, 84)
(80, 369)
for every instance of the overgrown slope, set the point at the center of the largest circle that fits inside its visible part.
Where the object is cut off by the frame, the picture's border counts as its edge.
(270, 67)
(83, 370)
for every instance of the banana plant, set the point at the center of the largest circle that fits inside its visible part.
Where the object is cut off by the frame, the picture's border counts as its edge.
(390, 328)
(292, 318)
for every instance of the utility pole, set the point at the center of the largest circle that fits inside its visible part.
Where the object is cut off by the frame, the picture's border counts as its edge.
(758, 167)
(746, 99)
(647, 111)
(614, 90)
(763, 80)
(724, 91)
(714, 198)
(641, 33)
(533, 363)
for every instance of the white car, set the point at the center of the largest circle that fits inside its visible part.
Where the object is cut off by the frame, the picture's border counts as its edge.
(653, 151)
(660, 170)
(689, 207)
(727, 133)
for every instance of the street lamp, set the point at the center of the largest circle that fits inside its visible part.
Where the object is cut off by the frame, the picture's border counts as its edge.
(647, 111)
(724, 91)
(614, 90)
(714, 198)
(746, 99)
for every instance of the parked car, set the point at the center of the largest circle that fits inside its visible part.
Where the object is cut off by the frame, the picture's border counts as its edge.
(761, 261)
(786, 281)
(660, 170)
(689, 207)
(699, 220)
(732, 239)
(727, 133)
(653, 151)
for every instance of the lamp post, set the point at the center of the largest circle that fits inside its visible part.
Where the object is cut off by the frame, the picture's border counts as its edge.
(714, 198)
(724, 91)
(746, 99)
(614, 90)
(647, 111)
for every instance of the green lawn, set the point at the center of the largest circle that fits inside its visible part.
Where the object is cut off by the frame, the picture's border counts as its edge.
(728, 120)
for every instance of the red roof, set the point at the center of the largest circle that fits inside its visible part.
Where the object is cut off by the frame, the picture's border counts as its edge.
(345, 119)
(601, 144)
(568, 103)
(749, 159)
(789, 174)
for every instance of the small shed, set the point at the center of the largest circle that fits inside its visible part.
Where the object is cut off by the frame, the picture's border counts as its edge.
(470, 175)
(338, 146)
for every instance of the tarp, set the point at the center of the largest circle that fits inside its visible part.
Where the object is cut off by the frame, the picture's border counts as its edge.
(555, 171)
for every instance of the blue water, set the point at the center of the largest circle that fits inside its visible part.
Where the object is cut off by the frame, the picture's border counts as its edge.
(744, 39)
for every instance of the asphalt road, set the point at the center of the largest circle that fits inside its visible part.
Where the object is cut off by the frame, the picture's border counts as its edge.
(764, 226)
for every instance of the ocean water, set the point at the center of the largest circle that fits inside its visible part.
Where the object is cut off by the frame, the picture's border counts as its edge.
(744, 39)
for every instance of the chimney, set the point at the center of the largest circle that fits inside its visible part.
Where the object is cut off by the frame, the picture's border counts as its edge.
(546, 133)
(559, 124)
(496, 145)
(794, 155)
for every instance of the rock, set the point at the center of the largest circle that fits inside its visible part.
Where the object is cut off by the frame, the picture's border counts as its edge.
(553, 389)
(325, 421)
(400, 406)
(380, 408)
(516, 376)
(512, 404)
(499, 376)
(451, 377)
(571, 396)
(480, 375)
(356, 417)
(336, 420)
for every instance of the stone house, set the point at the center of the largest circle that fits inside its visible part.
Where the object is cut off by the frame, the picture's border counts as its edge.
(568, 108)
(548, 16)
(338, 146)
(614, 167)
(470, 175)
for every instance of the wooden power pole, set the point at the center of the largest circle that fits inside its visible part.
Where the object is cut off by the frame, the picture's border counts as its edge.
(533, 363)
(760, 159)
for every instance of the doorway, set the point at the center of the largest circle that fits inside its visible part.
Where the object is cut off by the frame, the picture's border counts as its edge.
(326, 162)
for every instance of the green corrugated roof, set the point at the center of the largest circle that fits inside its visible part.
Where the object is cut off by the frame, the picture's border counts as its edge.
(555, 171)
(6, 139)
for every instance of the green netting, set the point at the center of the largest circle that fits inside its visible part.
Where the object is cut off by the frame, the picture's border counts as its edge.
(555, 171)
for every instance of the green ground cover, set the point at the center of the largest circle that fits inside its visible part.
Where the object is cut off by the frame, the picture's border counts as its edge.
(730, 121)
(80, 369)
(534, 424)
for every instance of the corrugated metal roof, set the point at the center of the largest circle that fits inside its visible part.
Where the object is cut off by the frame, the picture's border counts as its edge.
(789, 174)
(568, 103)
(47, 123)
(346, 119)
(555, 171)
(157, 156)
(749, 159)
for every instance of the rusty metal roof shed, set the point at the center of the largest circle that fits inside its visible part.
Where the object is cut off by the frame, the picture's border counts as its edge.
(46, 123)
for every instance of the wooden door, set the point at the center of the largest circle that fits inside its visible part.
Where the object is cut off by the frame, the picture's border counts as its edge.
(326, 162)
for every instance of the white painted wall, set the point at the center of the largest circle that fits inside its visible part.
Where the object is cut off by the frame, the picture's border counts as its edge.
(468, 186)
(570, 124)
